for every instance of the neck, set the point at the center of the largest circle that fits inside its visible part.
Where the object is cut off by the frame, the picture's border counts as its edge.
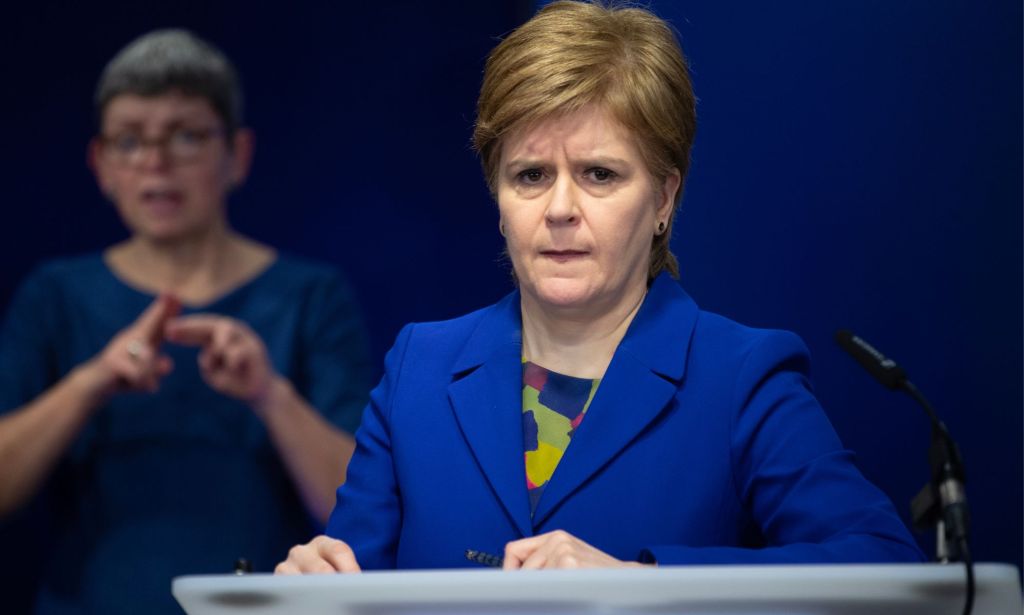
(178, 263)
(197, 269)
(574, 342)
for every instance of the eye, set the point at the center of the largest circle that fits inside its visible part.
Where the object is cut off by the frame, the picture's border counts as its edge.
(188, 136)
(530, 176)
(125, 143)
(600, 175)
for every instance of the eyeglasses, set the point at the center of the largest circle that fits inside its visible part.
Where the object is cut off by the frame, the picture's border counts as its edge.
(180, 145)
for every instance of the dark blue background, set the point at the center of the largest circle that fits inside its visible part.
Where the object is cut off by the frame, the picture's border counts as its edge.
(858, 164)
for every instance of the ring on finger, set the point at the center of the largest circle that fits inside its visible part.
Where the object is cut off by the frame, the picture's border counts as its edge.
(134, 349)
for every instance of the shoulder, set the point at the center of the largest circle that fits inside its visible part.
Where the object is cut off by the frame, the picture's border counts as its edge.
(674, 336)
(445, 335)
(304, 280)
(724, 357)
(720, 339)
(49, 304)
(735, 363)
(63, 277)
(468, 338)
(303, 271)
(451, 331)
(80, 266)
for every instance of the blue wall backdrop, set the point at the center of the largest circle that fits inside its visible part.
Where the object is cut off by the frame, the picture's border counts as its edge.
(858, 164)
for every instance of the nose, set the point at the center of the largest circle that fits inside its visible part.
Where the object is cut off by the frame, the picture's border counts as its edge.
(153, 156)
(563, 206)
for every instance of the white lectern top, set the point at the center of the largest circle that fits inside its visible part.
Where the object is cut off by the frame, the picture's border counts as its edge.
(911, 589)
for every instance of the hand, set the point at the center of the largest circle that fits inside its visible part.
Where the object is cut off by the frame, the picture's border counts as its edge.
(233, 359)
(319, 556)
(131, 361)
(557, 549)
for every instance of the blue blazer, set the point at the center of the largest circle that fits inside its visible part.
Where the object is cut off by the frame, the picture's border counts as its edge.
(703, 444)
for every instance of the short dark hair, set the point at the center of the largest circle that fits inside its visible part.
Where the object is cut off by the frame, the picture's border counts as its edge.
(170, 60)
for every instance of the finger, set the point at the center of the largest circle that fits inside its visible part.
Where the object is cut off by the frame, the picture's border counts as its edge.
(164, 365)
(518, 550)
(137, 352)
(338, 554)
(320, 566)
(538, 551)
(160, 367)
(150, 323)
(151, 369)
(134, 374)
(236, 357)
(149, 379)
(302, 558)
(208, 362)
(537, 560)
(286, 568)
(229, 333)
(211, 368)
(196, 330)
(312, 557)
(564, 555)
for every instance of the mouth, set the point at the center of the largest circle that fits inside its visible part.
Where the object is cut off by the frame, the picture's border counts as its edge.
(161, 196)
(162, 202)
(564, 256)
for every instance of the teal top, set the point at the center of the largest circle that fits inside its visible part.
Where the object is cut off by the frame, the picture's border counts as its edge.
(184, 481)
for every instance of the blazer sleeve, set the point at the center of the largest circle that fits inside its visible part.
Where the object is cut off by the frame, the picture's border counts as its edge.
(791, 473)
(368, 512)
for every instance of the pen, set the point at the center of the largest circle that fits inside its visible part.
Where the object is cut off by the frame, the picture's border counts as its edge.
(494, 561)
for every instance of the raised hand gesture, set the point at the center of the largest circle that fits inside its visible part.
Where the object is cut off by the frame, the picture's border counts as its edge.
(132, 361)
(233, 359)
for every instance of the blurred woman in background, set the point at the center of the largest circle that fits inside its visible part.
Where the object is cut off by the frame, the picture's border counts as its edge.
(160, 460)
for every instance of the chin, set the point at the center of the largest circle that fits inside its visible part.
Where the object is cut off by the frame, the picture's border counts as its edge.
(163, 233)
(564, 292)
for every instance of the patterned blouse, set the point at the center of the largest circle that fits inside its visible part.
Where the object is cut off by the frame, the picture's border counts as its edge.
(553, 407)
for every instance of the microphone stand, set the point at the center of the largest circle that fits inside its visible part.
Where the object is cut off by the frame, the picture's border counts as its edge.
(942, 502)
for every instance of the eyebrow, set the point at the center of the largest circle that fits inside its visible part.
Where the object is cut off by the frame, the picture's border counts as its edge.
(135, 123)
(523, 163)
(600, 161)
(592, 161)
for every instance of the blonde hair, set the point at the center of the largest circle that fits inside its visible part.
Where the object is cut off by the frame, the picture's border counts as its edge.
(573, 54)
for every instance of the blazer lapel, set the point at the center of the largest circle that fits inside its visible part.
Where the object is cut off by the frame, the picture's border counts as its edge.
(486, 397)
(643, 377)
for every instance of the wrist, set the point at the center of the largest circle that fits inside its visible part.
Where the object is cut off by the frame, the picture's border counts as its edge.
(91, 383)
(274, 395)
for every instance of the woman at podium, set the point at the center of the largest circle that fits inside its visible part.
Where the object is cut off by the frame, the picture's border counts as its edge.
(596, 416)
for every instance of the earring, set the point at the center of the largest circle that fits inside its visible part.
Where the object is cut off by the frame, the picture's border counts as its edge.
(661, 227)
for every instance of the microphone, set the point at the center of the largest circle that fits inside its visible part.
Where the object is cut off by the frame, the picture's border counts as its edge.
(884, 370)
(942, 503)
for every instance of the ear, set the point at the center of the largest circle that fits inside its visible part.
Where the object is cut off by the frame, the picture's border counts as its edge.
(100, 168)
(243, 143)
(667, 195)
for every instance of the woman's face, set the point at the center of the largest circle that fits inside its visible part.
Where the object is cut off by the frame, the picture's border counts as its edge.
(165, 163)
(579, 210)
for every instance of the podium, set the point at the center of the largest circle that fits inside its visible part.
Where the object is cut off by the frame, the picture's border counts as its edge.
(901, 589)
